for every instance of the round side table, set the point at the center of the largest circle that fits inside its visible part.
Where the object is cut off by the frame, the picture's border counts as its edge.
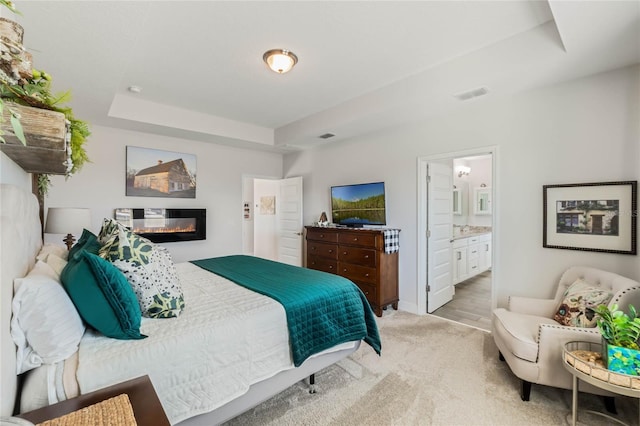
(621, 384)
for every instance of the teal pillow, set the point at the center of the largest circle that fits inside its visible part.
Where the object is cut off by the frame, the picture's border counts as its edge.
(88, 240)
(102, 295)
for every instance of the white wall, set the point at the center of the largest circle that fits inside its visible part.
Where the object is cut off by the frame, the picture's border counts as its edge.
(11, 173)
(247, 223)
(100, 185)
(585, 130)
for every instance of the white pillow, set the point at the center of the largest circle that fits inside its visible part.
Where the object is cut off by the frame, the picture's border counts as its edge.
(48, 248)
(56, 263)
(45, 325)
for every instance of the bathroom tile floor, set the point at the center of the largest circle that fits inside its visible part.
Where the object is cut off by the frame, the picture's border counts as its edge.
(471, 304)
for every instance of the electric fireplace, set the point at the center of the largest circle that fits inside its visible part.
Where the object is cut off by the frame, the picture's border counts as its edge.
(165, 225)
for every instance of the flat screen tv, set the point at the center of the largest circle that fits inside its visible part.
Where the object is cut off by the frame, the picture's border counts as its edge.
(358, 205)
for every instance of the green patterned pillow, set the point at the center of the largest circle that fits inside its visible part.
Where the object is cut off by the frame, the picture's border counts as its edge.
(577, 308)
(148, 267)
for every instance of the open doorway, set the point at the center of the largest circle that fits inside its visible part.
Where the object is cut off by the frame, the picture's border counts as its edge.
(468, 277)
(272, 218)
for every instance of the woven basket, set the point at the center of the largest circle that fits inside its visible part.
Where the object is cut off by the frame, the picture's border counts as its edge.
(116, 411)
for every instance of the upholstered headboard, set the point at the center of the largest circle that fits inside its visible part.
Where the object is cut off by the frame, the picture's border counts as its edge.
(21, 239)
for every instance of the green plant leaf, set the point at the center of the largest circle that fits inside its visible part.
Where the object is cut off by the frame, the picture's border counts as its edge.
(17, 128)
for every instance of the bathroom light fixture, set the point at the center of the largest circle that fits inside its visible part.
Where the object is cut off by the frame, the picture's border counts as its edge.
(463, 171)
(280, 60)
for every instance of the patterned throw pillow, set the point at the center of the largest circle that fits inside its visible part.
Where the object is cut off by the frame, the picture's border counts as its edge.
(580, 300)
(148, 267)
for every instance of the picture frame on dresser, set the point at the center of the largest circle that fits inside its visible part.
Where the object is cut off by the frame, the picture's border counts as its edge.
(600, 217)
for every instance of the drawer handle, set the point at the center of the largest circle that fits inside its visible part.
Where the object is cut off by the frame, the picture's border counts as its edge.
(344, 270)
(355, 238)
(321, 235)
(366, 275)
(330, 251)
(366, 256)
(344, 252)
(366, 293)
(330, 267)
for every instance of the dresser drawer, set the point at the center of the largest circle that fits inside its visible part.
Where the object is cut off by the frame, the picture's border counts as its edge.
(369, 291)
(358, 256)
(321, 235)
(356, 238)
(330, 251)
(357, 273)
(322, 264)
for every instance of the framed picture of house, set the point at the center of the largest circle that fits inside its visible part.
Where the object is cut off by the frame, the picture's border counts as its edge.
(157, 173)
(591, 216)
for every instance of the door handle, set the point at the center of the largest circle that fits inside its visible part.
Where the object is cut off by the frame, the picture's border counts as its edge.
(298, 233)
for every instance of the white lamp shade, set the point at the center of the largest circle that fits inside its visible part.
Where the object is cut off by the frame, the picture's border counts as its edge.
(63, 220)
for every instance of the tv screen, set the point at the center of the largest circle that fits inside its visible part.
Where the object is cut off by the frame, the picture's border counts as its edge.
(358, 205)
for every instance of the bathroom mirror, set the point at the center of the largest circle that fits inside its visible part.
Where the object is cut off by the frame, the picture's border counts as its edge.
(457, 202)
(482, 200)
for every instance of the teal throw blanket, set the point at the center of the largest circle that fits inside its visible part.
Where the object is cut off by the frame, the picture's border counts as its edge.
(323, 309)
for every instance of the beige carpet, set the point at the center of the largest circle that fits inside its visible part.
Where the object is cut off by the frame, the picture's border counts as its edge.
(431, 372)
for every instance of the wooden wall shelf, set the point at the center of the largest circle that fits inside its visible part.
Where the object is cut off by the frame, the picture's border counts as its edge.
(45, 132)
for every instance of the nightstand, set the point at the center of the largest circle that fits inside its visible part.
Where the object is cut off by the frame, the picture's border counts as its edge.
(145, 403)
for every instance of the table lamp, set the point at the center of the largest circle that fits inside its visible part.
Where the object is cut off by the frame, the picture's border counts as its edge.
(70, 221)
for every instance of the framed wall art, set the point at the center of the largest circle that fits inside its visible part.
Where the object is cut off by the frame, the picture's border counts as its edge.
(591, 217)
(157, 173)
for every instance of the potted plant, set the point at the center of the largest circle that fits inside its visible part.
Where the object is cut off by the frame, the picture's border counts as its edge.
(620, 333)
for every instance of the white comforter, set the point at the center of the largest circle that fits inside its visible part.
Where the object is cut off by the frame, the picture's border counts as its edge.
(226, 339)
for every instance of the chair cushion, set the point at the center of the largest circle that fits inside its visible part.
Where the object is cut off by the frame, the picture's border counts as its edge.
(519, 332)
(578, 304)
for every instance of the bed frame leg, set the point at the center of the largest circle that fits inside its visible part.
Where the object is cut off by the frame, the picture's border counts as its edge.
(312, 384)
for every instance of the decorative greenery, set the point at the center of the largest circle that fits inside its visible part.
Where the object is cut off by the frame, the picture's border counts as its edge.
(36, 92)
(9, 4)
(15, 123)
(617, 327)
(43, 184)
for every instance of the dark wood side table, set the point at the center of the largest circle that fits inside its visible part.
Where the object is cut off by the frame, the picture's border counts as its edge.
(145, 403)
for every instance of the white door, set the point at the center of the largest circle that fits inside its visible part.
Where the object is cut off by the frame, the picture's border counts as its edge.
(440, 288)
(289, 216)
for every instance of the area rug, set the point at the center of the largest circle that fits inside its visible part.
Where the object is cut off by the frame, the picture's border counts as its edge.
(432, 372)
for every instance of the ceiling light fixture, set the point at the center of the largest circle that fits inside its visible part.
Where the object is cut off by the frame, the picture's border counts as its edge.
(280, 60)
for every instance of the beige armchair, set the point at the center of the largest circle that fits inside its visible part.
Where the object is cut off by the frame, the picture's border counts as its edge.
(531, 341)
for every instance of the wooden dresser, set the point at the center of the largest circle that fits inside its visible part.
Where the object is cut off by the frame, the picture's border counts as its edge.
(359, 255)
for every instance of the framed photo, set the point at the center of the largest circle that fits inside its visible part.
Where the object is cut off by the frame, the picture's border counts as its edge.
(591, 217)
(156, 173)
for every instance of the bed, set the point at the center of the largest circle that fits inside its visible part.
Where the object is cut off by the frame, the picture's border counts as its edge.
(229, 350)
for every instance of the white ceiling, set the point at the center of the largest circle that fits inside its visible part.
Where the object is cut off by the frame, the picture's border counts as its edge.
(362, 65)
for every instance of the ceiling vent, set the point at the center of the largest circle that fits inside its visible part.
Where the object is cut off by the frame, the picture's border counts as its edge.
(470, 94)
(326, 136)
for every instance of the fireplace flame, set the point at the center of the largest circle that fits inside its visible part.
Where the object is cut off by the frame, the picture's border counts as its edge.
(164, 230)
